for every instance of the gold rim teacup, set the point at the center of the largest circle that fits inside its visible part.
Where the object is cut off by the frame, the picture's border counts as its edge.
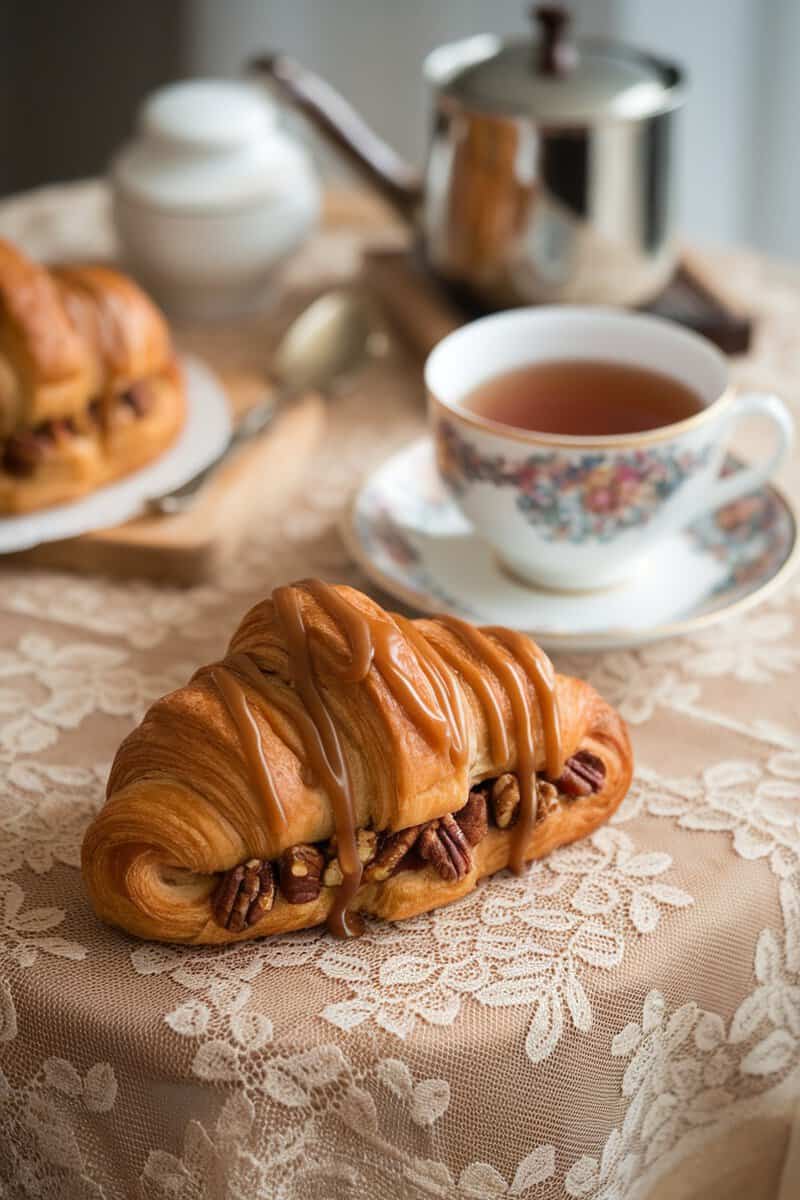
(574, 512)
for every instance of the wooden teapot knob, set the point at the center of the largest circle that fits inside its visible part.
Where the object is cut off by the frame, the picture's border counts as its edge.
(556, 54)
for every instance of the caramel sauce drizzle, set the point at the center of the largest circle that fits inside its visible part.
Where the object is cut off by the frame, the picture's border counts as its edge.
(473, 674)
(379, 640)
(540, 672)
(236, 703)
(356, 629)
(272, 694)
(327, 758)
(444, 686)
(543, 679)
(543, 682)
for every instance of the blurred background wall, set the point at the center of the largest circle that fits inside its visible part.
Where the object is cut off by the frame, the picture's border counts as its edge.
(72, 74)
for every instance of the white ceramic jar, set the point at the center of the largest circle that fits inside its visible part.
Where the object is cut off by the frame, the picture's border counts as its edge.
(210, 196)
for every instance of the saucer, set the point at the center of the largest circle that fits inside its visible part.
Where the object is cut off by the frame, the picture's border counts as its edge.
(204, 435)
(411, 540)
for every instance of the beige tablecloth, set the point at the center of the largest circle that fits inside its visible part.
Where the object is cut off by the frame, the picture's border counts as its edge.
(622, 1023)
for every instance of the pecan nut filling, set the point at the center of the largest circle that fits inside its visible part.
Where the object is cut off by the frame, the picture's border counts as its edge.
(244, 895)
(583, 774)
(25, 450)
(473, 818)
(301, 873)
(247, 892)
(443, 845)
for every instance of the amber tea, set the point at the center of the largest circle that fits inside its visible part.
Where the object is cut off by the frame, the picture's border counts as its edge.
(583, 397)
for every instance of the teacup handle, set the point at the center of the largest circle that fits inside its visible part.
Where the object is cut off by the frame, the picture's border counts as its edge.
(749, 479)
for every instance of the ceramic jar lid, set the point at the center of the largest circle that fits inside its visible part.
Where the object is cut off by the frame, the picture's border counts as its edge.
(205, 144)
(212, 114)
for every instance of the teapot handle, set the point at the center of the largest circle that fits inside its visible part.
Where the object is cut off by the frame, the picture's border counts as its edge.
(339, 122)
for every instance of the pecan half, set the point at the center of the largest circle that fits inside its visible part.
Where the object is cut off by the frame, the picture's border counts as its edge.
(301, 873)
(366, 845)
(244, 895)
(332, 875)
(391, 851)
(505, 800)
(445, 847)
(473, 818)
(583, 774)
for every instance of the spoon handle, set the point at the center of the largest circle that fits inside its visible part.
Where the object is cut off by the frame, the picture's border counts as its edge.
(182, 498)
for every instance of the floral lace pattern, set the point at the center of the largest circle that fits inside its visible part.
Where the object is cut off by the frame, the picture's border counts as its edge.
(44, 1152)
(459, 1055)
(517, 942)
(683, 1068)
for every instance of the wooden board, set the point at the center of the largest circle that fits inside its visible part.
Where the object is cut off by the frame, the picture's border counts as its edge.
(424, 310)
(191, 547)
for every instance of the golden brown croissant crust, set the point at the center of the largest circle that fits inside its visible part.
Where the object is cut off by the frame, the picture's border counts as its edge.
(89, 387)
(343, 760)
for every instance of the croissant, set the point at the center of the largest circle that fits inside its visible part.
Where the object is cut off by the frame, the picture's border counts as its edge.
(344, 760)
(89, 386)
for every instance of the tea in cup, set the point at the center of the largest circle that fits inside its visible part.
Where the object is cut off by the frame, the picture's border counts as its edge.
(575, 439)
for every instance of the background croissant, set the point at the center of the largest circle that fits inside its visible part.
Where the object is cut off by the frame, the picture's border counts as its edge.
(89, 387)
(219, 825)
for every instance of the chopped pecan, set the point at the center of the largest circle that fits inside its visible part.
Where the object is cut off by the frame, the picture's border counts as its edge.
(366, 845)
(244, 895)
(583, 774)
(546, 799)
(391, 850)
(23, 452)
(445, 847)
(139, 398)
(332, 875)
(473, 818)
(505, 800)
(301, 873)
(58, 430)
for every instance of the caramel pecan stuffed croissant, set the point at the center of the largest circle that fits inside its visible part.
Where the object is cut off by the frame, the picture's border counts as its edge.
(89, 387)
(343, 760)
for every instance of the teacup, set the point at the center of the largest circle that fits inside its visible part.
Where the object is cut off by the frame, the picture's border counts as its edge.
(581, 512)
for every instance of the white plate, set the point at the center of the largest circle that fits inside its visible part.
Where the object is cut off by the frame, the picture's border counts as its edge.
(412, 541)
(205, 433)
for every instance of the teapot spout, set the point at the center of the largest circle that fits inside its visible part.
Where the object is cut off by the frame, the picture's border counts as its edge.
(344, 128)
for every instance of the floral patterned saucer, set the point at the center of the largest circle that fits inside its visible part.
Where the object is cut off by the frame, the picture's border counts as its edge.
(413, 542)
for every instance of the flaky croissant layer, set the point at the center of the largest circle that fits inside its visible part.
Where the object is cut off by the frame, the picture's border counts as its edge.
(342, 760)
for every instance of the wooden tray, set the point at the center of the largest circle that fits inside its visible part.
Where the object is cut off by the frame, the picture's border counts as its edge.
(191, 547)
(424, 310)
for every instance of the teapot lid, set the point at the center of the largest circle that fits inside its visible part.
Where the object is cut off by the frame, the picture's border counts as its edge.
(553, 79)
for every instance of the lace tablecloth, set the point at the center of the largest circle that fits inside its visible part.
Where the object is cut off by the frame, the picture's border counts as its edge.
(622, 1023)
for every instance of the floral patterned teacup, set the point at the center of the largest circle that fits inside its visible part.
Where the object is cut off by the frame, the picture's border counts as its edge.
(579, 513)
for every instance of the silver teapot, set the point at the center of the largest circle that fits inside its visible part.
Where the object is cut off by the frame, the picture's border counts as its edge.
(550, 172)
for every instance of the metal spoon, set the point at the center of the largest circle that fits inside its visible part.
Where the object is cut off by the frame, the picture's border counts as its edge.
(329, 339)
